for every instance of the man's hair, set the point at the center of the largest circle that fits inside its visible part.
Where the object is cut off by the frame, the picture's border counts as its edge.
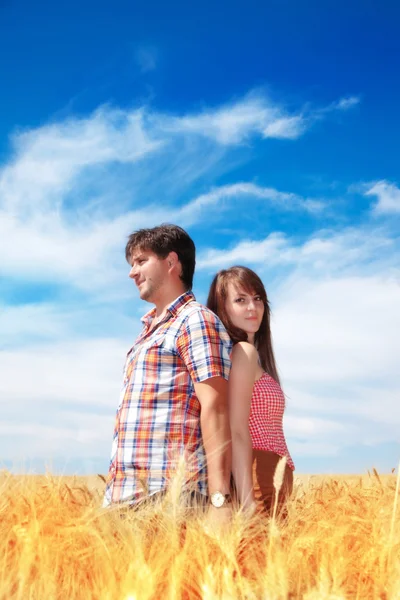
(162, 240)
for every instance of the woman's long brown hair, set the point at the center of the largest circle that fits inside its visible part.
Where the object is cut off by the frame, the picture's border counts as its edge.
(245, 279)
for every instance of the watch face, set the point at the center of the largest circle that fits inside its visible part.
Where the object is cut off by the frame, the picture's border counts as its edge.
(217, 499)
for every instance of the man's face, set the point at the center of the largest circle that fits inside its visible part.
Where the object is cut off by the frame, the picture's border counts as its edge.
(149, 273)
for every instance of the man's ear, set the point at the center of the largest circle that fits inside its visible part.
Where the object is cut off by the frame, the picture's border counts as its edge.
(172, 259)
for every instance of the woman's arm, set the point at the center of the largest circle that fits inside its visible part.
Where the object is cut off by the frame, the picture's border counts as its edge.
(241, 382)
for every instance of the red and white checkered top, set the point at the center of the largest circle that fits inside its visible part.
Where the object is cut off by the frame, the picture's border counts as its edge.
(266, 417)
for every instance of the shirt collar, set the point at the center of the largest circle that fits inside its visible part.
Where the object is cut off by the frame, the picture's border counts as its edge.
(174, 308)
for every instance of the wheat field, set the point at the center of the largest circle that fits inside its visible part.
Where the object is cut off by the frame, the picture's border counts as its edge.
(340, 540)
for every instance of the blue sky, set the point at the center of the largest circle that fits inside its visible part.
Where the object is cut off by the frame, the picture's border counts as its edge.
(270, 132)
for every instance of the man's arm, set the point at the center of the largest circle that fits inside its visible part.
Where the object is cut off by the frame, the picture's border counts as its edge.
(204, 347)
(214, 419)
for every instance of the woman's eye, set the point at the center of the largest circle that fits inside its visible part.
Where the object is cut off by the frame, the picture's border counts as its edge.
(239, 300)
(258, 298)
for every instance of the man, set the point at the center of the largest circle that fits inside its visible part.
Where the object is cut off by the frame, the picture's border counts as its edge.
(173, 404)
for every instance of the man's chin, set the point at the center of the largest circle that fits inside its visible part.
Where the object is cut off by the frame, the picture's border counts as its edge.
(144, 295)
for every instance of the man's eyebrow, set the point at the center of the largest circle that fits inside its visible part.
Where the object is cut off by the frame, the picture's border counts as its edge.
(137, 257)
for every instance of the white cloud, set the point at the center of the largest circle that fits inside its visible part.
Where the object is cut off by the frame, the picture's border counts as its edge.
(80, 371)
(312, 426)
(335, 320)
(77, 435)
(64, 195)
(83, 429)
(346, 103)
(34, 320)
(48, 160)
(40, 324)
(217, 196)
(336, 317)
(71, 193)
(337, 345)
(46, 232)
(236, 122)
(338, 330)
(325, 251)
(245, 252)
(323, 448)
(286, 128)
(61, 206)
(89, 254)
(388, 196)
(315, 436)
(231, 124)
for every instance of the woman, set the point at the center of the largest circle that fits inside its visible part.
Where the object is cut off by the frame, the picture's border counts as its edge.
(256, 401)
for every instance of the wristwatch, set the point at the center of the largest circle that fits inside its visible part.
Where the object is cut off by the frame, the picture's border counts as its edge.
(218, 499)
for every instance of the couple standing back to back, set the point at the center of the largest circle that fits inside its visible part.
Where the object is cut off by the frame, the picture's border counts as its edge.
(180, 399)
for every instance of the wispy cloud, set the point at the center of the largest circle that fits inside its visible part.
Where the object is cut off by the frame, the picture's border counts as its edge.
(345, 103)
(47, 161)
(74, 189)
(42, 215)
(255, 114)
(388, 195)
(325, 251)
(246, 252)
(286, 127)
(217, 196)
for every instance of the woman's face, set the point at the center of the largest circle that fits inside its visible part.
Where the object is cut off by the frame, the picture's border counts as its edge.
(244, 310)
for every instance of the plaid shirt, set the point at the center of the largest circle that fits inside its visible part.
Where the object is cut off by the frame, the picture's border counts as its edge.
(158, 418)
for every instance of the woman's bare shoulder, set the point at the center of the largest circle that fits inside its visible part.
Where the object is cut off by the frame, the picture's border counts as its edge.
(244, 352)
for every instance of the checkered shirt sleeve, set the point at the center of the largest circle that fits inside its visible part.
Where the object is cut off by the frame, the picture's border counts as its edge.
(205, 347)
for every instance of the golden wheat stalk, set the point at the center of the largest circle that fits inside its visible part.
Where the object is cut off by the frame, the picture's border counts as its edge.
(56, 542)
(396, 496)
(279, 476)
